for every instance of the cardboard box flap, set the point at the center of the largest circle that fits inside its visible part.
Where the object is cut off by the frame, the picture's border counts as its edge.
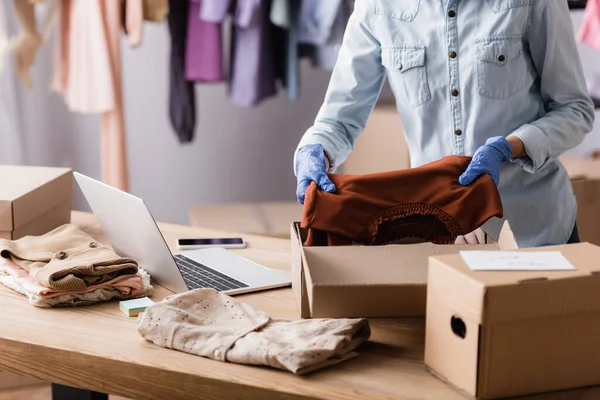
(365, 265)
(506, 239)
(32, 192)
(548, 292)
(298, 281)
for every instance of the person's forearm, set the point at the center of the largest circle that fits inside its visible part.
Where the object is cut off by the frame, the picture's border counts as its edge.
(518, 148)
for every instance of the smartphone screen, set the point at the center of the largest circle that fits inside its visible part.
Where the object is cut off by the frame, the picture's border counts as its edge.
(210, 242)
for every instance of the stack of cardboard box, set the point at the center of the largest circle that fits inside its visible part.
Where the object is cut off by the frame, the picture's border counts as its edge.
(33, 201)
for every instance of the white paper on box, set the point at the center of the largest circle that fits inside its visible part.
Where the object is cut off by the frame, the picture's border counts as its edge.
(516, 261)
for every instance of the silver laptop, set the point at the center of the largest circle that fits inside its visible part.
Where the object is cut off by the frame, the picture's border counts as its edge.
(132, 232)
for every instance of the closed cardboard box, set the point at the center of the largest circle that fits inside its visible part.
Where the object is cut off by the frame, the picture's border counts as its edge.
(497, 334)
(33, 200)
(367, 281)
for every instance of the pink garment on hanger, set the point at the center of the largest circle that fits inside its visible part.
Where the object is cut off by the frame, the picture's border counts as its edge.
(134, 20)
(87, 73)
(589, 31)
(128, 285)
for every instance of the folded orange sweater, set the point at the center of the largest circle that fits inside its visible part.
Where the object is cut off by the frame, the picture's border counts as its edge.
(425, 203)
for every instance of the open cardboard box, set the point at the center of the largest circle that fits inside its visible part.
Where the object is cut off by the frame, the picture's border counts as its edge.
(499, 334)
(368, 281)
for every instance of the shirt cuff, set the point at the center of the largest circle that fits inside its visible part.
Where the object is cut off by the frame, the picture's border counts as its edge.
(537, 147)
(331, 152)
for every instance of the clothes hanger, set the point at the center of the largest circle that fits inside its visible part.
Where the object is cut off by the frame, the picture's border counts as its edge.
(577, 4)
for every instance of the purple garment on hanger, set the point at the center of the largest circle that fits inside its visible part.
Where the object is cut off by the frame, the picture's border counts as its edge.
(215, 10)
(204, 50)
(253, 76)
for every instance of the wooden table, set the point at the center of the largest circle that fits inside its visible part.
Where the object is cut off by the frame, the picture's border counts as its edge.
(98, 348)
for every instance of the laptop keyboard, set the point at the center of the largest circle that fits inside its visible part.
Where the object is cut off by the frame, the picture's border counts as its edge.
(197, 276)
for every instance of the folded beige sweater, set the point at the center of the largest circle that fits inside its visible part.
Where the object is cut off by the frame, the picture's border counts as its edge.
(211, 324)
(67, 258)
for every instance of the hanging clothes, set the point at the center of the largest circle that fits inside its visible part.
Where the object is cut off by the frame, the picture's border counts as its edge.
(204, 48)
(12, 150)
(182, 99)
(589, 31)
(27, 42)
(90, 30)
(134, 21)
(4, 43)
(253, 74)
(155, 10)
(285, 14)
(279, 13)
(317, 20)
(321, 30)
(253, 77)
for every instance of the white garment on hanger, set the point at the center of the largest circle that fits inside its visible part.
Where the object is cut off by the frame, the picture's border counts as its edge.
(11, 131)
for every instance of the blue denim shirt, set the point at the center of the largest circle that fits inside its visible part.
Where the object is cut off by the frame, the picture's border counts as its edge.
(463, 71)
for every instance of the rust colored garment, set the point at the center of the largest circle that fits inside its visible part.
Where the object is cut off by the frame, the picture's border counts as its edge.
(424, 203)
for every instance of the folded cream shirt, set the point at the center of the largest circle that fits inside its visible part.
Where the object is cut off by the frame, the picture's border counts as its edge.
(213, 325)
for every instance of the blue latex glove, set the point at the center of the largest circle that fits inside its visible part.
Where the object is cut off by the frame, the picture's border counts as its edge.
(487, 160)
(310, 166)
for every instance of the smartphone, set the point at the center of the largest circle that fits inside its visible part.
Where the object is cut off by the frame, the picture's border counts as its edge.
(227, 243)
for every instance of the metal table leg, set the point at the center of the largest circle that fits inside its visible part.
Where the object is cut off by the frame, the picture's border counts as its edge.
(60, 392)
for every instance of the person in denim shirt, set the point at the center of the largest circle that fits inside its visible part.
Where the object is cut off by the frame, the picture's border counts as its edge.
(499, 80)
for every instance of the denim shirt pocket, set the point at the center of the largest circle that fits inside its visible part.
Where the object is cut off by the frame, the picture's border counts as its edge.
(405, 10)
(504, 5)
(407, 70)
(501, 66)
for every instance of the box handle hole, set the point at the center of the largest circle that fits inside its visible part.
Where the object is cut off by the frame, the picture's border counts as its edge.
(458, 327)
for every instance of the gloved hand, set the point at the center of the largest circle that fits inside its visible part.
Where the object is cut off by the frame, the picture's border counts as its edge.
(310, 166)
(487, 160)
